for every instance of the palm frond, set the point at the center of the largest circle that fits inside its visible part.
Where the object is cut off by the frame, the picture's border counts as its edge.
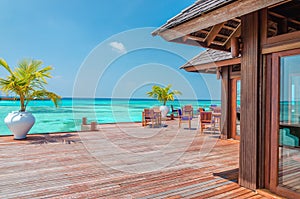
(28, 80)
(5, 65)
(163, 94)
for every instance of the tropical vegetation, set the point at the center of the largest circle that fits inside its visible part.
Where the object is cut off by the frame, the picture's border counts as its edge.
(28, 82)
(163, 94)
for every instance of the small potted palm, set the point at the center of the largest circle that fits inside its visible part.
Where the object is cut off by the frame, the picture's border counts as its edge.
(27, 82)
(163, 94)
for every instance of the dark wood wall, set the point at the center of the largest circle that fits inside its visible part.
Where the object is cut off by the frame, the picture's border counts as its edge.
(248, 173)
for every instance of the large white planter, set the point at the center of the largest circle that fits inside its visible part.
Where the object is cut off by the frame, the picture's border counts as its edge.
(19, 123)
(164, 111)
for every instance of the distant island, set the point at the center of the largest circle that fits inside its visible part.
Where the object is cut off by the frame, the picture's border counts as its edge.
(9, 99)
(17, 99)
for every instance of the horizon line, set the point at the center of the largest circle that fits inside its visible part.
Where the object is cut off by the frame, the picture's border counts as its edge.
(115, 98)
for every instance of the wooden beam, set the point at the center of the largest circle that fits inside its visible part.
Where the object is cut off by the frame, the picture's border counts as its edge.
(204, 31)
(283, 17)
(219, 43)
(276, 14)
(222, 36)
(237, 20)
(198, 43)
(230, 28)
(264, 26)
(213, 33)
(225, 13)
(184, 38)
(284, 37)
(278, 4)
(194, 38)
(213, 65)
(277, 48)
(236, 33)
(235, 47)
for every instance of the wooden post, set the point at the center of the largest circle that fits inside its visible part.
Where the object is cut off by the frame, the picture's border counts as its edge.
(84, 121)
(225, 118)
(248, 164)
(235, 47)
(143, 119)
(93, 126)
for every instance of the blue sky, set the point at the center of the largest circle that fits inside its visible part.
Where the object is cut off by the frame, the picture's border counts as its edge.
(68, 33)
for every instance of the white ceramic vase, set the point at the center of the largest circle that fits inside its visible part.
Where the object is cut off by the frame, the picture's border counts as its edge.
(19, 123)
(164, 111)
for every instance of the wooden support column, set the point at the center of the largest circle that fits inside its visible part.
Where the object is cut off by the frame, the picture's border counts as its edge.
(225, 103)
(248, 169)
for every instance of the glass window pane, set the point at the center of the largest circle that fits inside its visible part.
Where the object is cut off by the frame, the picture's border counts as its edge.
(238, 105)
(289, 133)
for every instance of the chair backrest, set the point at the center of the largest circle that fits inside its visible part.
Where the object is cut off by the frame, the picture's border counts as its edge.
(179, 112)
(206, 117)
(149, 113)
(217, 109)
(156, 108)
(187, 109)
(185, 115)
(213, 106)
(201, 109)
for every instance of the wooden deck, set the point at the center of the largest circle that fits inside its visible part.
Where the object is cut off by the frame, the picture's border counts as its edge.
(140, 162)
(289, 168)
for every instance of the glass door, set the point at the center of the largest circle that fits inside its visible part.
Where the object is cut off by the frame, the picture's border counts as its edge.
(235, 108)
(285, 129)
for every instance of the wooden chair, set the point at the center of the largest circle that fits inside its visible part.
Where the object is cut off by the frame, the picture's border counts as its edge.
(201, 110)
(188, 109)
(213, 106)
(217, 109)
(185, 115)
(205, 118)
(157, 116)
(148, 116)
(217, 118)
(173, 111)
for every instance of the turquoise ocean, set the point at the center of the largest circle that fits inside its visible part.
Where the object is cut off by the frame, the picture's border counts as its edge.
(67, 117)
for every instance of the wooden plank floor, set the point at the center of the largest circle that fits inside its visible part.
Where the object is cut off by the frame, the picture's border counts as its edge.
(121, 161)
(289, 168)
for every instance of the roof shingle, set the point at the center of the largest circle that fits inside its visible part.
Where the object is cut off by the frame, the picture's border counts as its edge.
(208, 56)
(198, 8)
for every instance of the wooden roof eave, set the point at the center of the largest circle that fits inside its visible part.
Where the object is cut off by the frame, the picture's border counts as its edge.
(220, 15)
(202, 68)
(194, 42)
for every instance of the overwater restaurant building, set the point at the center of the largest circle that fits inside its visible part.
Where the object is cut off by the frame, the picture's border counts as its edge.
(263, 38)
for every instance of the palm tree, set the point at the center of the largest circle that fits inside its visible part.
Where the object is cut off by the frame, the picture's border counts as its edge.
(27, 81)
(163, 94)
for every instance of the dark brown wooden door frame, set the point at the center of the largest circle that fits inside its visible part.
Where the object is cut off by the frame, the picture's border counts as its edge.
(233, 114)
(274, 141)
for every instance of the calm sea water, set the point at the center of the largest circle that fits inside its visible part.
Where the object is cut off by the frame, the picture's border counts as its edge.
(68, 116)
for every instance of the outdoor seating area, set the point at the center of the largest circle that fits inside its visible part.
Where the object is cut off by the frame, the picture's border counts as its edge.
(253, 48)
(210, 119)
(80, 165)
(153, 116)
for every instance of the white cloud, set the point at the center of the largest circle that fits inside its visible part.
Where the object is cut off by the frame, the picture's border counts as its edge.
(57, 77)
(118, 46)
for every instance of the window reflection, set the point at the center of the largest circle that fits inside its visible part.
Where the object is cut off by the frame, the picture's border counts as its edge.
(238, 105)
(289, 133)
